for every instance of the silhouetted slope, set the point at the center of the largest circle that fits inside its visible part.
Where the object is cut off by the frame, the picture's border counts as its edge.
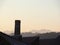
(10, 40)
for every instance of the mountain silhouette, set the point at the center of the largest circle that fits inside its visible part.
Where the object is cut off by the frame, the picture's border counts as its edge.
(42, 31)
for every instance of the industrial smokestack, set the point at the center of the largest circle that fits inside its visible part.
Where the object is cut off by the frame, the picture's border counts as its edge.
(17, 27)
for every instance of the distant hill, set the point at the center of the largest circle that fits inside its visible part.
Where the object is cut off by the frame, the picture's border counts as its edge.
(49, 35)
(42, 36)
(42, 31)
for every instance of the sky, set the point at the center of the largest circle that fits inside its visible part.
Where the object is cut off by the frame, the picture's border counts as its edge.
(34, 15)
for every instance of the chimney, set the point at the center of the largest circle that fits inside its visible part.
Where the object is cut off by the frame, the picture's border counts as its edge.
(17, 27)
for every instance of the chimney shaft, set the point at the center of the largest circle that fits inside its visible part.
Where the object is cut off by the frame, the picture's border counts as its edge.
(17, 27)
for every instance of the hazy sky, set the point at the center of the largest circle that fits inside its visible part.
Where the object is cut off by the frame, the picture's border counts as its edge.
(34, 14)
